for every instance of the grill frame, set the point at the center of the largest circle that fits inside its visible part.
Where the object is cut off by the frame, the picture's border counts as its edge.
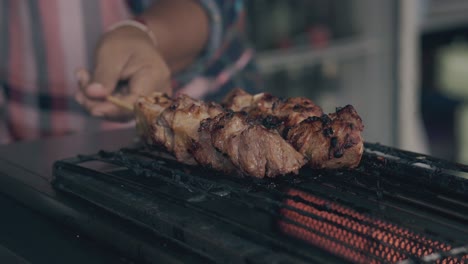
(377, 162)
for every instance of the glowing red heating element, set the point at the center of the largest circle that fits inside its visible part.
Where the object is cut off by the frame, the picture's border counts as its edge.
(352, 235)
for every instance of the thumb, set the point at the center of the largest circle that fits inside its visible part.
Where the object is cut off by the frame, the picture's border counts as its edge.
(104, 80)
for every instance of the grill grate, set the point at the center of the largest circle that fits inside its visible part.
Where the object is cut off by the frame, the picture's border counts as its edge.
(370, 240)
(397, 206)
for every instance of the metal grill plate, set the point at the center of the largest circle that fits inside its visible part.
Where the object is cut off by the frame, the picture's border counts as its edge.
(397, 206)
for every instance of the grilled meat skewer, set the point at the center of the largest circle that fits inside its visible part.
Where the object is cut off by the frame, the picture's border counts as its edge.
(261, 135)
(202, 133)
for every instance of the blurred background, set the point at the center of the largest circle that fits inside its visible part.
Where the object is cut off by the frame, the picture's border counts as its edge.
(402, 63)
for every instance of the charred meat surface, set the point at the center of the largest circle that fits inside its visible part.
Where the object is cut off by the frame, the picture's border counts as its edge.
(205, 153)
(294, 110)
(258, 135)
(257, 105)
(263, 104)
(147, 110)
(330, 141)
(252, 148)
(237, 100)
(176, 128)
(289, 111)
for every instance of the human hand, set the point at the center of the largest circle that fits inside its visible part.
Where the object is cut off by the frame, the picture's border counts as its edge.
(128, 54)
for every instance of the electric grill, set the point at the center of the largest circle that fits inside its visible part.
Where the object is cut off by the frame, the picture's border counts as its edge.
(397, 206)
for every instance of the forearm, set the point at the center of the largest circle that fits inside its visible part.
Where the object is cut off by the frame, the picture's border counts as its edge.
(181, 28)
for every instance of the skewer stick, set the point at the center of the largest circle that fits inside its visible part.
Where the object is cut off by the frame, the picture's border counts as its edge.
(120, 103)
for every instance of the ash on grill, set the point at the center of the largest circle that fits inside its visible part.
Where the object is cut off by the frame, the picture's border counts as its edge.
(397, 206)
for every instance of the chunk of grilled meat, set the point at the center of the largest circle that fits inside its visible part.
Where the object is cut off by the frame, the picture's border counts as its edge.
(330, 141)
(206, 154)
(176, 128)
(147, 109)
(294, 110)
(251, 147)
(289, 111)
(257, 105)
(237, 100)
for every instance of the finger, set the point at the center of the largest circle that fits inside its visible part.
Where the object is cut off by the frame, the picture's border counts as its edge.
(83, 77)
(112, 111)
(106, 109)
(105, 76)
(87, 103)
(96, 91)
(147, 74)
(102, 109)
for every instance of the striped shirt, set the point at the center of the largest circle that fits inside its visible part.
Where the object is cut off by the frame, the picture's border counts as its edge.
(43, 42)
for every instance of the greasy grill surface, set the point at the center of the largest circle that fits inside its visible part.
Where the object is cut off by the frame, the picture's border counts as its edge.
(396, 206)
